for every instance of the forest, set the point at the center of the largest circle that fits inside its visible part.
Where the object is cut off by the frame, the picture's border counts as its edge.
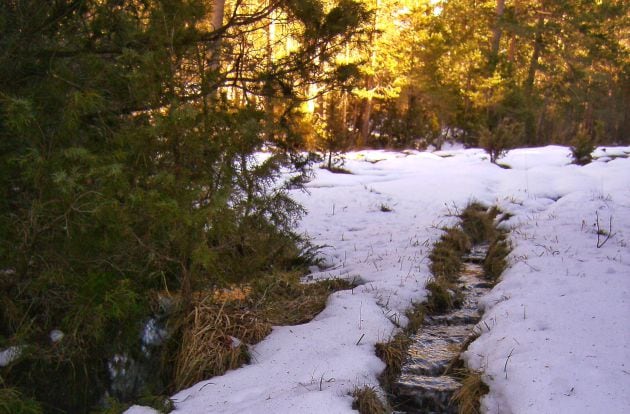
(147, 147)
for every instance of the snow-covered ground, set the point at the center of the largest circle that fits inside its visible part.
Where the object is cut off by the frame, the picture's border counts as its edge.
(556, 330)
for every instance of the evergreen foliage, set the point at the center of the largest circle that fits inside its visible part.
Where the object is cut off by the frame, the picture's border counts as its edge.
(502, 138)
(131, 131)
(582, 147)
(435, 71)
(126, 170)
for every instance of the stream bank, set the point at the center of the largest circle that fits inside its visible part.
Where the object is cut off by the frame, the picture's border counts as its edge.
(426, 383)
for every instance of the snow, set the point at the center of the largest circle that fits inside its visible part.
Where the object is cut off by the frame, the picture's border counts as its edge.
(558, 338)
(56, 335)
(137, 409)
(9, 355)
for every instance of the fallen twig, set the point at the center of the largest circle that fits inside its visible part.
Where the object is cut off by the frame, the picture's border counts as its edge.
(601, 232)
(506, 363)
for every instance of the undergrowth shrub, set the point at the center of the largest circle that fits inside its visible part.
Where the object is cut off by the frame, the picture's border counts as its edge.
(13, 401)
(119, 181)
(212, 337)
(38, 374)
(499, 140)
(582, 147)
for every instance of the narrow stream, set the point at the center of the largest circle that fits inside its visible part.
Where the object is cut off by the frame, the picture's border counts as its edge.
(422, 386)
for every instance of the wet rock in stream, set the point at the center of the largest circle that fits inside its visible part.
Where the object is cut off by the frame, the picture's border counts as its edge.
(425, 394)
(477, 254)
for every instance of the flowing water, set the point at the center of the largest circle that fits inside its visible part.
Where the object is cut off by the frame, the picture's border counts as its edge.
(423, 386)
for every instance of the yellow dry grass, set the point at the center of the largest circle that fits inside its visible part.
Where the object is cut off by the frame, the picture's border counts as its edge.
(469, 395)
(393, 354)
(214, 334)
(232, 294)
(366, 401)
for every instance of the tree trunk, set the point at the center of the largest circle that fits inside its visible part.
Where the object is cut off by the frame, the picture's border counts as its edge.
(512, 48)
(216, 20)
(366, 113)
(271, 39)
(366, 103)
(533, 63)
(496, 34)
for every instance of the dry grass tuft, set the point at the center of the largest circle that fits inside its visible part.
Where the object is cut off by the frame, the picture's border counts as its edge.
(284, 300)
(457, 364)
(496, 259)
(446, 261)
(212, 337)
(468, 397)
(232, 294)
(442, 295)
(366, 401)
(480, 225)
(393, 354)
(478, 222)
(457, 239)
(446, 255)
(415, 316)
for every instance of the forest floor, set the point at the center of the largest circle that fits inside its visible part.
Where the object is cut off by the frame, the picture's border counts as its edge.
(555, 329)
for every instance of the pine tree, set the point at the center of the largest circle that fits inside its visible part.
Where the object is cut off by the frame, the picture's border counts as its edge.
(126, 170)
